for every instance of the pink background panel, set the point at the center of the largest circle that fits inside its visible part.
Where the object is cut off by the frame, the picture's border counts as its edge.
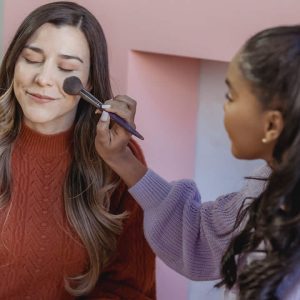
(155, 48)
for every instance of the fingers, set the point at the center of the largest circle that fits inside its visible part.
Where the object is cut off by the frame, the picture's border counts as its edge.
(131, 103)
(108, 133)
(104, 119)
(103, 131)
(111, 139)
(123, 106)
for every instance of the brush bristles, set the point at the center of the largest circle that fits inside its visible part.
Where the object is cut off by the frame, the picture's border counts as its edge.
(72, 85)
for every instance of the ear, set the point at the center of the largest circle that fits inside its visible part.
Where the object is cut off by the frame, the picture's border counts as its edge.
(273, 127)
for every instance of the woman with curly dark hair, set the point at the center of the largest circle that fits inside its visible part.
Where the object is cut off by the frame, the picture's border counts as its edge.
(251, 239)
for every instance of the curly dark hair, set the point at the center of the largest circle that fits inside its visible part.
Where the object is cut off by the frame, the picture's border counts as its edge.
(270, 61)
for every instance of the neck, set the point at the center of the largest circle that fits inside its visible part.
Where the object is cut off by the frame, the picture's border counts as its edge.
(33, 142)
(49, 128)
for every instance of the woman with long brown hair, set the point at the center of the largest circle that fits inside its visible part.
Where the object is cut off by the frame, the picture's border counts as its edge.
(68, 226)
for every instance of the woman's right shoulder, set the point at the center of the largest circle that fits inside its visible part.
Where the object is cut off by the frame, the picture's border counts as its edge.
(257, 181)
(262, 172)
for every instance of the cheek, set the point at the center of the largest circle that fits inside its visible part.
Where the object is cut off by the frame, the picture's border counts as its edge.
(70, 102)
(17, 88)
(234, 124)
(227, 119)
(21, 75)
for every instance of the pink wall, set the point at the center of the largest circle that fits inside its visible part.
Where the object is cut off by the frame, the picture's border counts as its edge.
(194, 28)
(166, 86)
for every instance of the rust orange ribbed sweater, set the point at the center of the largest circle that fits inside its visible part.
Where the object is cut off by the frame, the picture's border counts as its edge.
(38, 247)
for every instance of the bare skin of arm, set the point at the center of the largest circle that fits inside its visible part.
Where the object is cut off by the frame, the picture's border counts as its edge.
(112, 141)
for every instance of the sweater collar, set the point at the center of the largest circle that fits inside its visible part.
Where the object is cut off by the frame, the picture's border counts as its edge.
(33, 142)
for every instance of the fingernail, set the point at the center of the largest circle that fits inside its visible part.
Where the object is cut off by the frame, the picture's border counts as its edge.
(105, 116)
(105, 106)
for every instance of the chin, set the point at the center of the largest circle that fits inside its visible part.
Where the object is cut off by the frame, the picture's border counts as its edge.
(244, 156)
(239, 154)
(37, 119)
(38, 115)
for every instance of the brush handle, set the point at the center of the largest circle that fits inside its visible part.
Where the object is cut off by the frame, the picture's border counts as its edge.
(124, 124)
(97, 103)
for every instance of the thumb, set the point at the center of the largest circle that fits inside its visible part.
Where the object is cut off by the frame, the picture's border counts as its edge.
(105, 117)
(103, 124)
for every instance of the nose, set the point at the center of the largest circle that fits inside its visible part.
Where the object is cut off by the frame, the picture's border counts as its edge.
(44, 75)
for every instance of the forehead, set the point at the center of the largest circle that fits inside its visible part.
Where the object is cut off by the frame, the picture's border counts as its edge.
(64, 39)
(235, 75)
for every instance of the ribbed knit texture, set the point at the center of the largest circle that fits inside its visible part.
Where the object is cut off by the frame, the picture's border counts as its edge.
(185, 233)
(38, 247)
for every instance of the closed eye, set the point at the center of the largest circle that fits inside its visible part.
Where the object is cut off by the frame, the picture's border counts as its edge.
(65, 70)
(30, 61)
(228, 97)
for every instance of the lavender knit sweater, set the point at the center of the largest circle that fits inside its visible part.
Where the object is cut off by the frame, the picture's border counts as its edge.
(185, 233)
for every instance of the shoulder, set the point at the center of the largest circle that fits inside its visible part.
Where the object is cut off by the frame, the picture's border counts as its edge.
(262, 172)
(257, 181)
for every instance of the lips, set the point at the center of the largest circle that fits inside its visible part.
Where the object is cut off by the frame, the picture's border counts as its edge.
(40, 97)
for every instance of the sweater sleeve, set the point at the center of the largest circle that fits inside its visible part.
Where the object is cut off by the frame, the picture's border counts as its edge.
(186, 234)
(131, 274)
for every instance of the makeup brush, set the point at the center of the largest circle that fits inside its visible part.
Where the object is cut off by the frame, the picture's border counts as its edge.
(73, 86)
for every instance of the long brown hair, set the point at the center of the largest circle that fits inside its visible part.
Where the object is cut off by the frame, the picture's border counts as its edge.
(90, 183)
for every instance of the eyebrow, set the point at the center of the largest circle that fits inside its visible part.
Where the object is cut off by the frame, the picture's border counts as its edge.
(228, 82)
(64, 56)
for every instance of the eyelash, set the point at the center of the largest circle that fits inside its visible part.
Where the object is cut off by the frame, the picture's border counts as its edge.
(31, 61)
(37, 62)
(65, 70)
(228, 97)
